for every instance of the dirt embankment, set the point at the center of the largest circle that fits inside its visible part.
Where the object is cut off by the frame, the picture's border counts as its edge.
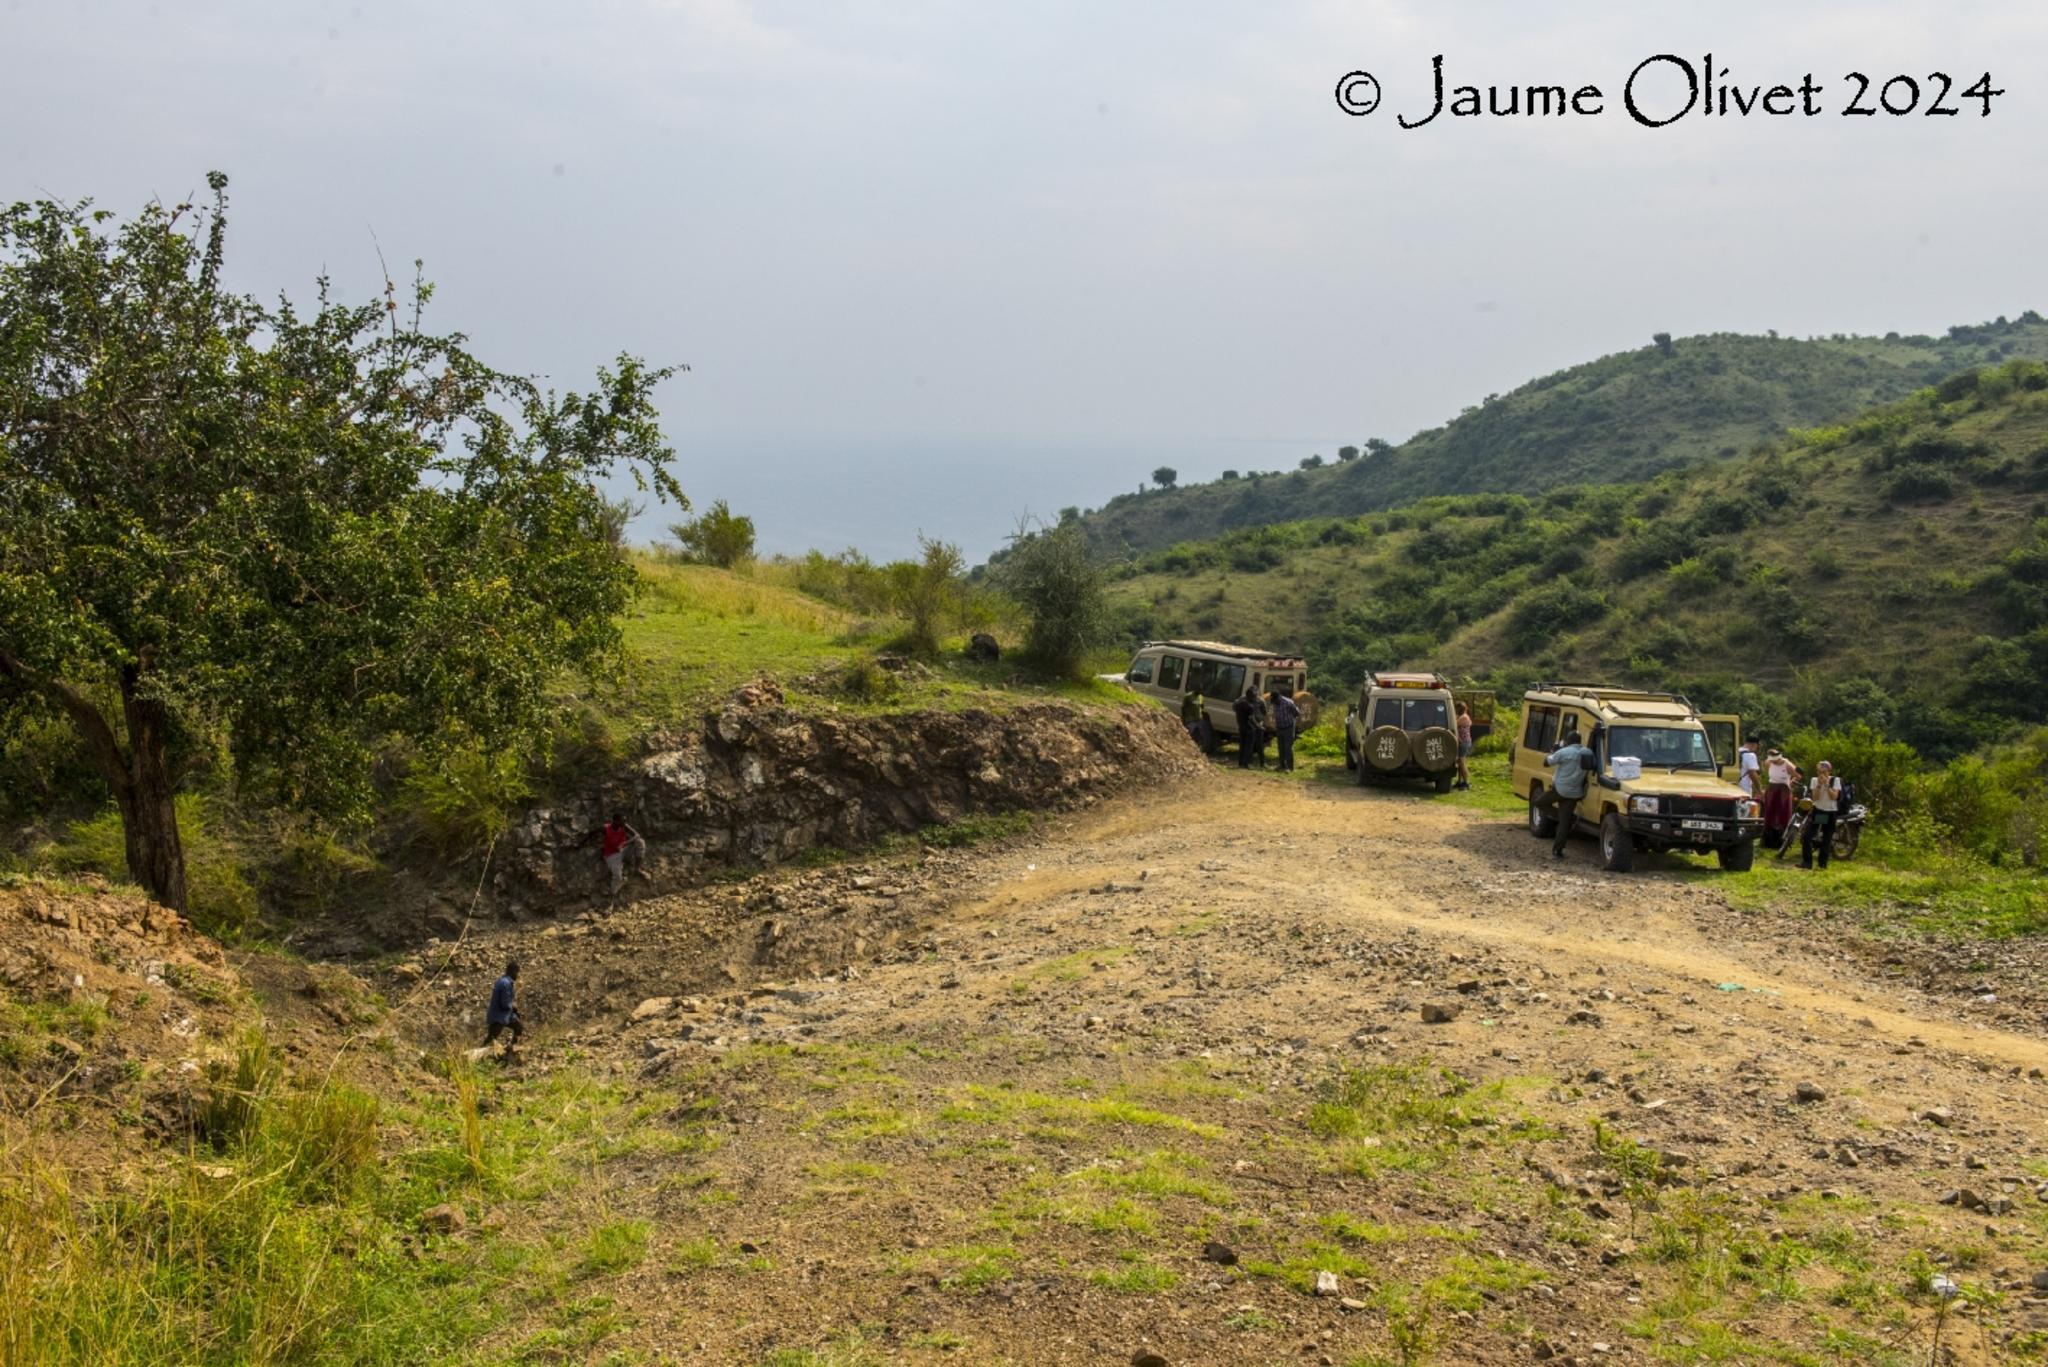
(760, 783)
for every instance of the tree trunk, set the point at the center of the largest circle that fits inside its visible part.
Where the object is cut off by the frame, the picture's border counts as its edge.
(149, 813)
(139, 778)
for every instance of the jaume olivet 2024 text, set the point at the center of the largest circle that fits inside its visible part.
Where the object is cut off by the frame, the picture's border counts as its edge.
(1666, 89)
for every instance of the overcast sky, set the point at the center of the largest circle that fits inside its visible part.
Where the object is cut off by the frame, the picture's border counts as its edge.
(937, 265)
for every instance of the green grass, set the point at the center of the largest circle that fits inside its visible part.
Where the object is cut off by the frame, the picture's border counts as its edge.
(991, 1105)
(1887, 889)
(1136, 1277)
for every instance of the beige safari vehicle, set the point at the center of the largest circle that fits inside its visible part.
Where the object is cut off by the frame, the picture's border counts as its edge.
(1663, 778)
(1402, 727)
(1170, 670)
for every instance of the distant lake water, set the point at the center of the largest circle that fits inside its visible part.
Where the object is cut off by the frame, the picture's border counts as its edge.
(818, 492)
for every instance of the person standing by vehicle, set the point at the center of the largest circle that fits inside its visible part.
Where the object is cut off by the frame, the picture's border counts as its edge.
(1464, 745)
(1779, 774)
(1825, 792)
(502, 1015)
(1195, 717)
(1574, 762)
(1747, 765)
(1286, 720)
(1251, 723)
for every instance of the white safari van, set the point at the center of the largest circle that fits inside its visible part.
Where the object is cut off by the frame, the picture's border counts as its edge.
(1170, 670)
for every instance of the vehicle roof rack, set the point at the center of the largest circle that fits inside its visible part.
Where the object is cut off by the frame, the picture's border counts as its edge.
(1235, 652)
(1614, 693)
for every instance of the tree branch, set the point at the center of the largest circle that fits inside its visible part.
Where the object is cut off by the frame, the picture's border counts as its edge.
(99, 737)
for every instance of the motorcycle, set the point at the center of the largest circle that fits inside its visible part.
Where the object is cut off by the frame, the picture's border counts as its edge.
(1848, 829)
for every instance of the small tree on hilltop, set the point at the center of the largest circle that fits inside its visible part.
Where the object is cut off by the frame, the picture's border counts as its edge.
(716, 537)
(1663, 341)
(1314, 462)
(1346, 454)
(1050, 572)
(929, 592)
(1377, 446)
(310, 531)
(1166, 476)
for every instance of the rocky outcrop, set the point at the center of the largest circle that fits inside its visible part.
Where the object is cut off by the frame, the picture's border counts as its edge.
(760, 783)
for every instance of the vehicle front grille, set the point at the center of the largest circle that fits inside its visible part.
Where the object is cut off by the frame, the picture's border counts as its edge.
(1721, 807)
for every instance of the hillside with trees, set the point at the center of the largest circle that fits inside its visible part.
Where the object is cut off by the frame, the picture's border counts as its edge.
(1621, 419)
(1891, 570)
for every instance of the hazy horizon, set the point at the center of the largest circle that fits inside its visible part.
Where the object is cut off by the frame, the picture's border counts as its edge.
(934, 267)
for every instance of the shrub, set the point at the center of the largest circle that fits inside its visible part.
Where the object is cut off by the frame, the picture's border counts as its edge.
(1919, 484)
(929, 592)
(1547, 613)
(716, 537)
(1885, 772)
(464, 798)
(1050, 573)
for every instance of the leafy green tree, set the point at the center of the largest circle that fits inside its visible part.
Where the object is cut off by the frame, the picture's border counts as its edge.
(716, 537)
(1050, 572)
(1314, 462)
(300, 532)
(1166, 476)
(1663, 341)
(1377, 446)
(929, 592)
(1346, 454)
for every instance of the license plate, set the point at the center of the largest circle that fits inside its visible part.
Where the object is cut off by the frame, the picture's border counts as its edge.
(1692, 825)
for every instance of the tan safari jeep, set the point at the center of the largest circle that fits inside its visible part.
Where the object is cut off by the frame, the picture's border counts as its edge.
(1168, 671)
(1664, 776)
(1402, 727)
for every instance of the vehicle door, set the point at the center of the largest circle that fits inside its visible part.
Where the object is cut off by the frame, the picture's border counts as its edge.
(1143, 675)
(1172, 675)
(1724, 737)
(1480, 702)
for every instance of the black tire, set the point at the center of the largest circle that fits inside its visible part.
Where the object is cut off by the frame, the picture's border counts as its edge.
(1792, 833)
(1846, 840)
(1737, 858)
(1617, 850)
(1385, 748)
(1444, 781)
(1542, 820)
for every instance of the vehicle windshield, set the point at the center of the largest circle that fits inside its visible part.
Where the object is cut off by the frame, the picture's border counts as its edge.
(1662, 747)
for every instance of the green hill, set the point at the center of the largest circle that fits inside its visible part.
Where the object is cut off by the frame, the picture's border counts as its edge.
(1892, 570)
(1620, 419)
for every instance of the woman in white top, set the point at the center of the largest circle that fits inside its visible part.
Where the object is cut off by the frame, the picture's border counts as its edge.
(1779, 775)
(1826, 794)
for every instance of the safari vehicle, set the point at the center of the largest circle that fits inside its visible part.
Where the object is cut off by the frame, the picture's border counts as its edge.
(1402, 727)
(1170, 670)
(1660, 783)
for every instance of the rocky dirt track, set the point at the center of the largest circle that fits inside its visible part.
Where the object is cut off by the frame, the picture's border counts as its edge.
(996, 1104)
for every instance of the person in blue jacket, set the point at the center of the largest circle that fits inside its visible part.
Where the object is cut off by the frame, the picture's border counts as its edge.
(1574, 763)
(503, 1015)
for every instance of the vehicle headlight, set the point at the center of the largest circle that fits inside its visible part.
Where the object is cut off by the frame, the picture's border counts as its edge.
(1644, 806)
(1749, 809)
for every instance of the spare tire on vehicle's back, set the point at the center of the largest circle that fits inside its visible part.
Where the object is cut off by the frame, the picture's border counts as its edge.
(1311, 708)
(1386, 748)
(1435, 749)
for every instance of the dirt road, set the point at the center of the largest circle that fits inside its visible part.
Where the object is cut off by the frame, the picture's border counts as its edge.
(1648, 1127)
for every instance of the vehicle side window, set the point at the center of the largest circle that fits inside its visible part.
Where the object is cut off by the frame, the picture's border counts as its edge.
(1140, 671)
(1169, 671)
(1227, 683)
(1541, 731)
(1386, 712)
(1424, 713)
(1281, 683)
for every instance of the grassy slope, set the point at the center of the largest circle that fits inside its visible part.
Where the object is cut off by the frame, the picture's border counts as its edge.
(1622, 418)
(696, 633)
(1820, 568)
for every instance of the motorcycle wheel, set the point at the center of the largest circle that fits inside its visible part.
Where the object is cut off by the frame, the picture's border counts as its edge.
(1846, 838)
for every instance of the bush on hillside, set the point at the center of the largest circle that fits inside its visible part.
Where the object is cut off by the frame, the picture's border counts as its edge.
(716, 537)
(1886, 772)
(1547, 613)
(1050, 573)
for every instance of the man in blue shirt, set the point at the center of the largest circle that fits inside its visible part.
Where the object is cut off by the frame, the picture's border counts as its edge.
(1574, 763)
(1286, 720)
(503, 1015)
